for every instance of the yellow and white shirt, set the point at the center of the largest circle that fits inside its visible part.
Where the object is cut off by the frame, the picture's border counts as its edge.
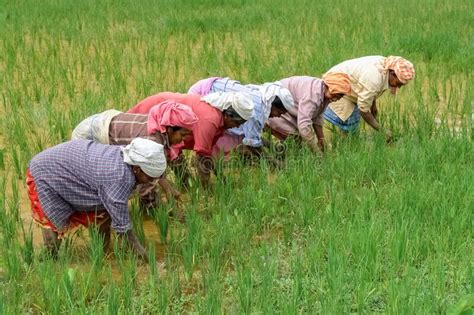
(368, 82)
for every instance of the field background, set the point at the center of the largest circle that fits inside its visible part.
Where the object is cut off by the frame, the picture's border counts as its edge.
(369, 228)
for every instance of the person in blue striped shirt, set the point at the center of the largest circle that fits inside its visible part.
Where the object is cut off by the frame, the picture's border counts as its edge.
(270, 100)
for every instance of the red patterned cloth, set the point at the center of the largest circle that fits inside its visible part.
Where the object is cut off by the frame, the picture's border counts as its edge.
(77, 219)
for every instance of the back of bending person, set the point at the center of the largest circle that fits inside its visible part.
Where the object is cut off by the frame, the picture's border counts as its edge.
(167, 124)
(270, 100)
(82, 182)
(215, 113)
(311, 96)
(370, 77)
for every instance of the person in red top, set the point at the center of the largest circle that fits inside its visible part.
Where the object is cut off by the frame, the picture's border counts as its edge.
(216, 112)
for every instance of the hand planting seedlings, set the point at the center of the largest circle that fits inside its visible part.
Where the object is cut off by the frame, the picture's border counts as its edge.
(366, 228)
(270, 100)
(81, 182)
(370, 77)
(216, 112)
(311, 96)
(167, 123)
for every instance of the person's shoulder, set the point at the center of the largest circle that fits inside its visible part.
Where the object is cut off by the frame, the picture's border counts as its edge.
(68, 148)
(91, 145)
(117, 173)
(104, 155)
(205, 110)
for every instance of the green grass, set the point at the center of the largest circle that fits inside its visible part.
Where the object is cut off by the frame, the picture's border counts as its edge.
(369, 228)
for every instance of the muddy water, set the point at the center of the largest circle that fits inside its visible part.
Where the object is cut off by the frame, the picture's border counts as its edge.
(81, 240)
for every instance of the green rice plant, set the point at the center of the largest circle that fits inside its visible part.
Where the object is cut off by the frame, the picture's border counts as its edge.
(3, 309)
(113, 302)
(96, 250)
(127, 265)
(245, 283)
(160, 217)
(464, 306)
(27, 248)
(153, 265)
(367, 228)
(190, 248)
(137, 221)
(13, 263)
(211, 303)
(68, 282)
(10, 219)
(264, 278)
(129, 273)
(49, 288)
(2, 159)
(18, 163)
(119, 252)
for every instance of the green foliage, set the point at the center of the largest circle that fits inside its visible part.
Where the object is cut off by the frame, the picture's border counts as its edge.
(367, 228)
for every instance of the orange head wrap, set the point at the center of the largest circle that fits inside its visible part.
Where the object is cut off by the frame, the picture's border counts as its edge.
(338, 83)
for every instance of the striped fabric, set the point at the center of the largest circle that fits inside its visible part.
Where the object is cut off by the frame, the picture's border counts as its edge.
(349, 125)
(125, 127)
(252, 128)
(202, 87)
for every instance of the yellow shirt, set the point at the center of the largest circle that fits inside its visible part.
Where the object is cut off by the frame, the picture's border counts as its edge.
(368, 82)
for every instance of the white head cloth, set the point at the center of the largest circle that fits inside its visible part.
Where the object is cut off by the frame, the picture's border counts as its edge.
(240, 102)
(146, 154)
(271, 90)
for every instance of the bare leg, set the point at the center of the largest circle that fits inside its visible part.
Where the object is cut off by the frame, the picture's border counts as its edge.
(51, 242)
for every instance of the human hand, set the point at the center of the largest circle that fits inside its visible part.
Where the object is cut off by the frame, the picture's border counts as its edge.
(388, 136)
(134, 244)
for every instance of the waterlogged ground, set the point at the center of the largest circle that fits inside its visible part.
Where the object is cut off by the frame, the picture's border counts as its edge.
(368, 228)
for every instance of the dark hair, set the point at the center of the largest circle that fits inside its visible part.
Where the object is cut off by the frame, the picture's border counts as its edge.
(233, 114)
(278, 104)
(175, 128)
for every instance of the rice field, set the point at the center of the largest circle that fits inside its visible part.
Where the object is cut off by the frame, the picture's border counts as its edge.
(368, 228)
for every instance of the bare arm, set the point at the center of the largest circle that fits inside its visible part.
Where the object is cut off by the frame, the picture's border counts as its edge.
(130, 239)
(366, 101)
(320, 134)
(306, 128)
(374, 110)
(370, 119)
(169, 189)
